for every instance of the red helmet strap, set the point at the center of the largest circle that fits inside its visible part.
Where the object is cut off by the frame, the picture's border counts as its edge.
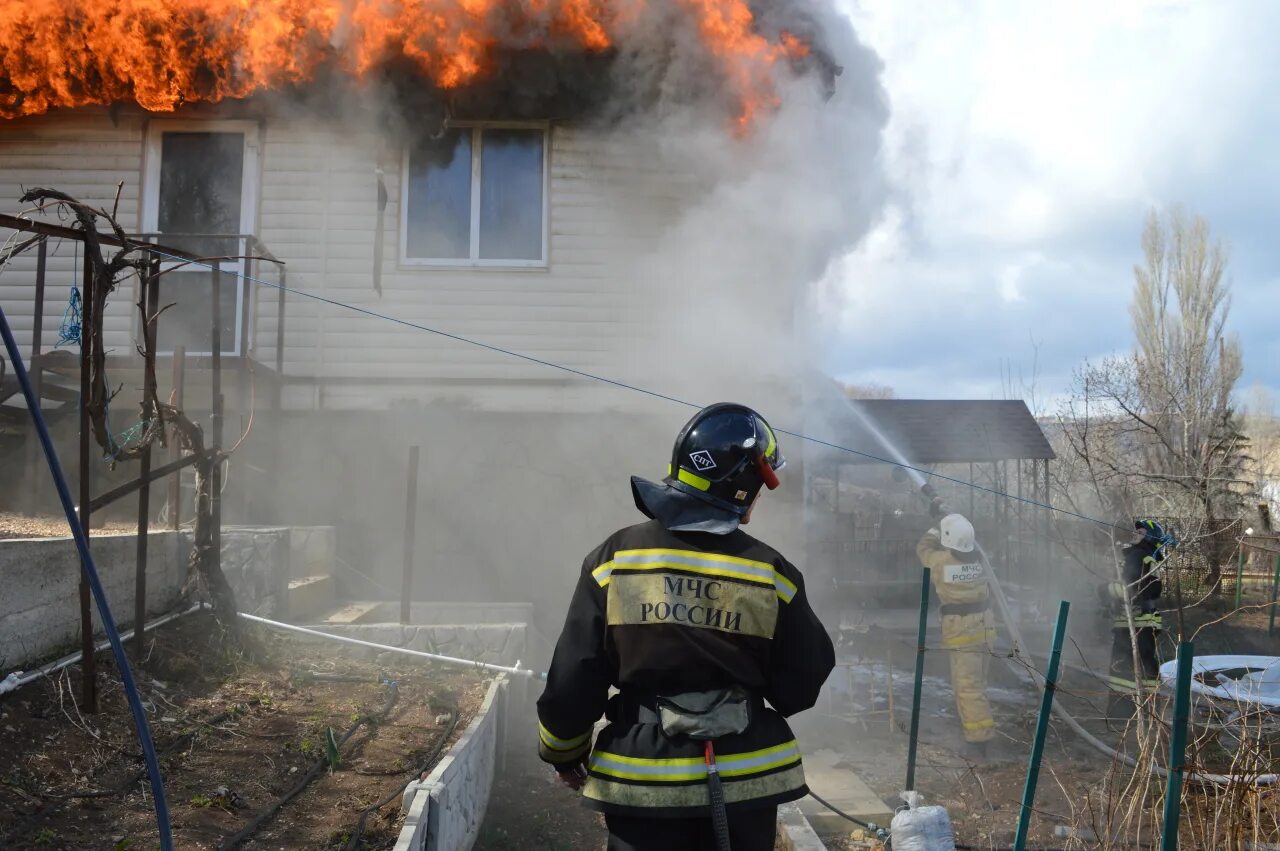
(767, 473)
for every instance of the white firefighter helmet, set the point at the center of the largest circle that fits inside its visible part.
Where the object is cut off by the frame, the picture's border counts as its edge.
(957, 533)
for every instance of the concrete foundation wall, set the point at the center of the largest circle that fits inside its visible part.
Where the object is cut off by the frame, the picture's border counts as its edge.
(40, 577)
(795, 832)
(40, 604)
(256, 561)
(445, 811)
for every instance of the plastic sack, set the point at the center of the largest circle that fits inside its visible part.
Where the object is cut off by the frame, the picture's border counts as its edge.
(920, 828)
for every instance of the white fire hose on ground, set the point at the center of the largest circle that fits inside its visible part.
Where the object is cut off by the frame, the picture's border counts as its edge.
(18, 679)
(515, 670)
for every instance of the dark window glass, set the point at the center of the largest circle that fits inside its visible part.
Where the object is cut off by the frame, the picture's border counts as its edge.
(511, 195)
(189, 323)
(201, 180)
(439, 203)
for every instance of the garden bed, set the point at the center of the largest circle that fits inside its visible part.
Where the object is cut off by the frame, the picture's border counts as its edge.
(235, 735)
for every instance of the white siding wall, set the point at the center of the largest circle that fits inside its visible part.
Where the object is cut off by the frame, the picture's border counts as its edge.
(86, 156)
(607, 205)
(609, 201)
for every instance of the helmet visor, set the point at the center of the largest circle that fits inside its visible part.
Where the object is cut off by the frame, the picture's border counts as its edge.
(772, 454)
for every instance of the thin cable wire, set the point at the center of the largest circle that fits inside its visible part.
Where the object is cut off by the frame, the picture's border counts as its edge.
(612, 381)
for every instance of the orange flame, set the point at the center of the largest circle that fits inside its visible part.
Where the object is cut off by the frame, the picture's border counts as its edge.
(163, 54)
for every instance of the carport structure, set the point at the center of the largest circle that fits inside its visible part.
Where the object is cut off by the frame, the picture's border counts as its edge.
(864, 517)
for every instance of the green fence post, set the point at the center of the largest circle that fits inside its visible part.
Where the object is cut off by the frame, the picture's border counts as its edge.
(1042, 728)
(1275, 585)
(915, 694)
(1239, 574)
(1177, 748)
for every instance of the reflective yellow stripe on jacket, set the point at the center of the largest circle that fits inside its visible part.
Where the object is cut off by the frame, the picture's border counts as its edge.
(1149, 621)
(706, 564)
(681, 782)
(557, 750)
(694, 768)
(1125, 686)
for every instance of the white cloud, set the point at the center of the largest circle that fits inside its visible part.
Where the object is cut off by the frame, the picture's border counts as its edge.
(1026, 141)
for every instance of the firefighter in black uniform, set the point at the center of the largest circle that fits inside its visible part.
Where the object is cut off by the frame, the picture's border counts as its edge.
(709, 637)
(1139, 595)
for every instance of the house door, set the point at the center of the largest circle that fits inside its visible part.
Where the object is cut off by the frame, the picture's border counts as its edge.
(200, 196)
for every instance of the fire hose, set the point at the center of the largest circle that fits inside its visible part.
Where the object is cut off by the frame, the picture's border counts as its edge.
(719, 816)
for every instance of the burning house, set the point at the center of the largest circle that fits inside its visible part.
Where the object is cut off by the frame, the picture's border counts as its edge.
(640, 191)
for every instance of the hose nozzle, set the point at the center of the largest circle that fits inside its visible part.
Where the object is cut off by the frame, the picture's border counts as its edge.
(937, 508)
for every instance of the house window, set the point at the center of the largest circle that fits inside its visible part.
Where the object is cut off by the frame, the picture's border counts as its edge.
(476, 196)
(199, 196)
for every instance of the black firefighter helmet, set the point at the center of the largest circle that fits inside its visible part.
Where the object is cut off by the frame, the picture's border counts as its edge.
(1155, 535)
(724, 455)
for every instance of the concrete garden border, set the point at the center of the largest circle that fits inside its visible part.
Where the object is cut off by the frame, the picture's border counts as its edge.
(795, 831)
(445, 811)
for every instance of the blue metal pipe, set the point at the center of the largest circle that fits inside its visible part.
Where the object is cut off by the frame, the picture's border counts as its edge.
(95, 584)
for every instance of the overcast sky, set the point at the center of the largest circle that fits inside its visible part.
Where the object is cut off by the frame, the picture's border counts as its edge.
(1027, 140)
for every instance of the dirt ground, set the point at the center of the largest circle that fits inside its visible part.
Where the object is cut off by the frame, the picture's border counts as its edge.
(234, 735)
(531, 811)
(1077, 783)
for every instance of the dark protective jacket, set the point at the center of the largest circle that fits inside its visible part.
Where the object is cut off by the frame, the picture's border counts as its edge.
(658, 613)
(1144, 585)
(1140, 573)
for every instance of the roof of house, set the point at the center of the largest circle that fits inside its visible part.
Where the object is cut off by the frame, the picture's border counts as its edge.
(935, 431)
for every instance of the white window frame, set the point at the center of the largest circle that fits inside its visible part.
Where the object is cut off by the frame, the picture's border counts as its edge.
(477, 129)
(150, 213)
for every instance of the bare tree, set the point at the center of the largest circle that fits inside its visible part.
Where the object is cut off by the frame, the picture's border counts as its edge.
(1262, 425)
(870, 390)
(1157, 427)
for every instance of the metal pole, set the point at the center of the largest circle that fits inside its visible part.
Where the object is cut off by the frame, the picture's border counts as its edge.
(280, 326)
(1275, 586)
(215, 420)
(88, 663)
(1047, 513)
(37, 344)
(1239, 573)
(971, 492)
(410, 525)
(889, 664)
(1177, 747)
(175, 483)
(1020, 536)
(1042, 728)
(919, 681)
(150, 303)
(37, 329)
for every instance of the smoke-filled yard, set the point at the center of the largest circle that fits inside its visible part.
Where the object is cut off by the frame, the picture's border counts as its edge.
(337, 321)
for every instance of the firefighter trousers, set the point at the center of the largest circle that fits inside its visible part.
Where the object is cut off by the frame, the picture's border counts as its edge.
(968, 640)
(749, 830)
(1122, 689)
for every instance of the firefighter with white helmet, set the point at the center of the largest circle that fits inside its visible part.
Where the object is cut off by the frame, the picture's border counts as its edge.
(968, 630)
